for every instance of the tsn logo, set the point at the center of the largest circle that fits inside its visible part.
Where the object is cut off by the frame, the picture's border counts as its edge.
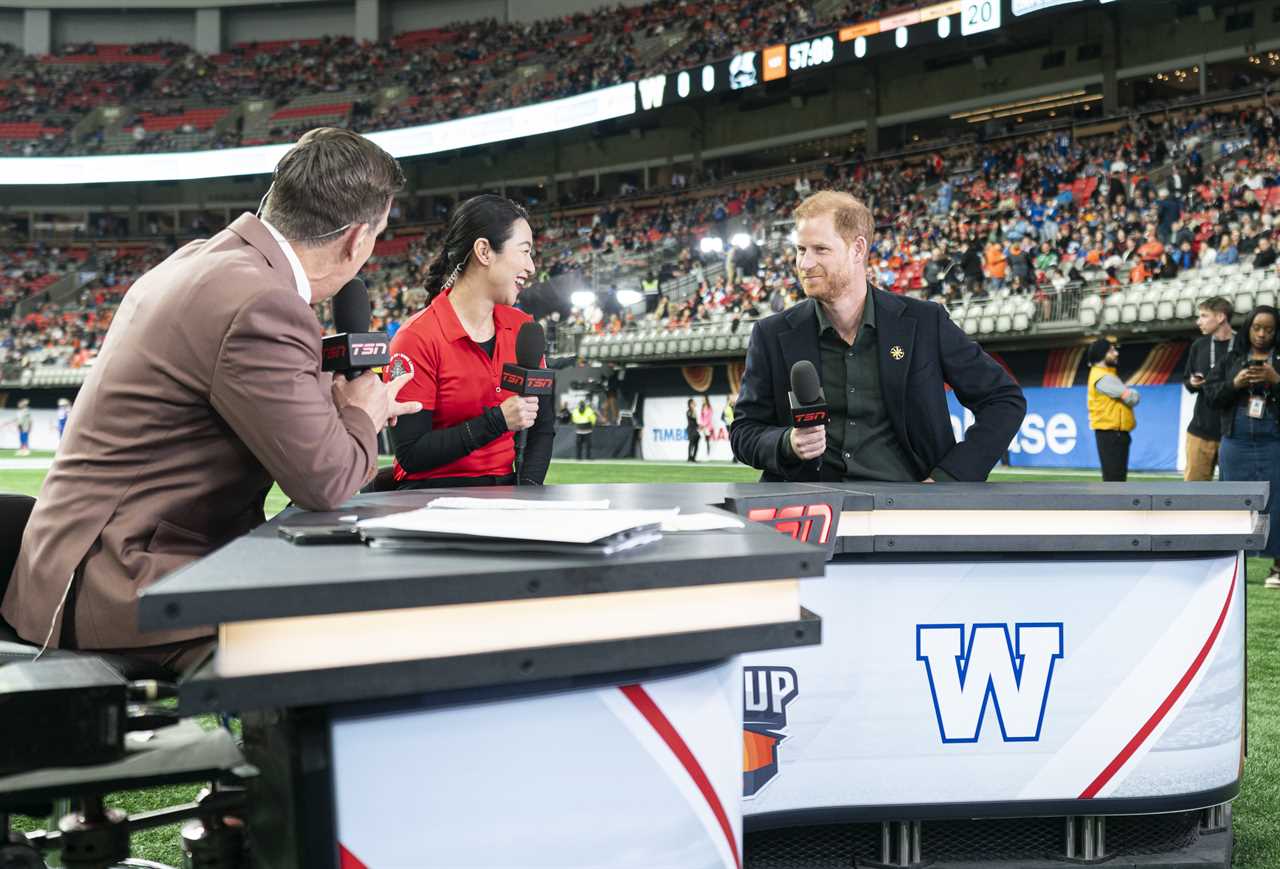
(374, 348)
(808, 523)
(532, 383)
(809, 417)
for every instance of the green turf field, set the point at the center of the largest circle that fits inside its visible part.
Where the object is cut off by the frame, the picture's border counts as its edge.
(1257, 819)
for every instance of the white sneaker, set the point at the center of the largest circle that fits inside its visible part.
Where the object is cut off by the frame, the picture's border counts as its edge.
(1272, 581)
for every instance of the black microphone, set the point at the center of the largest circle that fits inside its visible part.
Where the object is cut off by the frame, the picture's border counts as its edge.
(808, 404)
(528, 377)
(354, 349)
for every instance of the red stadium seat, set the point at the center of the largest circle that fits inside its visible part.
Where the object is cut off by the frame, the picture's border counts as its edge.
(26, 130)
(200, 119)
(321, 111)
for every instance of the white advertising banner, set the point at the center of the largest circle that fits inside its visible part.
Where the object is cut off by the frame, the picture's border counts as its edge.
(1024, 7)
(665, 437)
(44, 429)
(1002, 681)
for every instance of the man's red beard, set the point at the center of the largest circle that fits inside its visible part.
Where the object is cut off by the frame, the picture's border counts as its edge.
(826, 288)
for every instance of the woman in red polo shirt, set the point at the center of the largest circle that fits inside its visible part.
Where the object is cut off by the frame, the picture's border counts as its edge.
(456, 347)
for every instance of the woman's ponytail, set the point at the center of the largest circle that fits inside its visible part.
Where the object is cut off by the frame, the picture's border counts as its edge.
(433, 283)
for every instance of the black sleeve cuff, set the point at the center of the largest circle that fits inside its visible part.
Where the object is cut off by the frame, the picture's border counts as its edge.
(494, 422)
(786, 455)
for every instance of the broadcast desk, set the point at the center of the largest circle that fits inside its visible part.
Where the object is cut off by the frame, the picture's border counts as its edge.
(463, 709)
(1009, 674)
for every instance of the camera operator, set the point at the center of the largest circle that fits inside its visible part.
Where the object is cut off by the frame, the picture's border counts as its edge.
(207, 390)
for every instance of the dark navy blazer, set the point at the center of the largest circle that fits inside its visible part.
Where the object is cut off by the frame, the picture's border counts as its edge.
(933, 351)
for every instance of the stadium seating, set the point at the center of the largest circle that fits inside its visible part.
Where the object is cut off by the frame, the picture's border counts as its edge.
(703, 314)
(27, 130)
(200, 119)
(465, 69)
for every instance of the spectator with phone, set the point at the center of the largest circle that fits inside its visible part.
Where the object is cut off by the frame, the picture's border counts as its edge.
(1205, 429)
(1245, 388)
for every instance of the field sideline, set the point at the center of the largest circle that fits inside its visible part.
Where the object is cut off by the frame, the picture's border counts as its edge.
(1257, 821)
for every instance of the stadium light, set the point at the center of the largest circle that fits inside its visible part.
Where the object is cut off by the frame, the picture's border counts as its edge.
(583, 298)
(741, 240)
(711, 244)
(627, 298)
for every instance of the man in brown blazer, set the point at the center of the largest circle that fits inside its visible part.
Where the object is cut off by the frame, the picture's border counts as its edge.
(207, 389)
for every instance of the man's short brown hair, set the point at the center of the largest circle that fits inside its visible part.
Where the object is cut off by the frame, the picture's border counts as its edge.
(331, 178)
(1218, 305)
(851, 217)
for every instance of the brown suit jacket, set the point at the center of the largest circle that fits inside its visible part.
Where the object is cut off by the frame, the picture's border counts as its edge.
(208, 387)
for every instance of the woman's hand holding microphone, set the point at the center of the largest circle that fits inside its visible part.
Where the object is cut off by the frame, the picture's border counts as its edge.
(520, 412)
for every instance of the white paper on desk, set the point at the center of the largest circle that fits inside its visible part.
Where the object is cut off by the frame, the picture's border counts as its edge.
(458, 503)
(559, 526)
(701, 522)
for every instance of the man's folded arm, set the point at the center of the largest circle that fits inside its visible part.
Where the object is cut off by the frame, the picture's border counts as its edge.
(756, 438)
(268, 387)
(985, 388)
(1113, 387)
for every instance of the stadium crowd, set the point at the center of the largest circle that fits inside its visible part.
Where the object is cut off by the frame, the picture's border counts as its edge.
(1027, 215)
(1030, 216)
(464, 69)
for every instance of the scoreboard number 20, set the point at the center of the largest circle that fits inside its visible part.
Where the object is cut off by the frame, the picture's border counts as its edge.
(979, 16)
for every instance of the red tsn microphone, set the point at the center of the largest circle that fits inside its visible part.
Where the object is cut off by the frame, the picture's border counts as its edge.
(354, 350)
(527, 376)
(808, 404)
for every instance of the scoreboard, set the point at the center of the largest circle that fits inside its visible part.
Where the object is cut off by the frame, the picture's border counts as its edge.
(913, 28)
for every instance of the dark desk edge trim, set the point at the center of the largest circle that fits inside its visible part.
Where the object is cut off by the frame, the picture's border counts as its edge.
(888, 558)
(1014, 543)
(206, 692)
(1005, 809)
(159, 609)
(1174, 495)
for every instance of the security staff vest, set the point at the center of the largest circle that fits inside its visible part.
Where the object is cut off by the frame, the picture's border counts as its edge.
(1107, 413)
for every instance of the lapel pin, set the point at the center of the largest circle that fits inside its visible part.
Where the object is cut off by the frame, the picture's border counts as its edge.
(897, 352)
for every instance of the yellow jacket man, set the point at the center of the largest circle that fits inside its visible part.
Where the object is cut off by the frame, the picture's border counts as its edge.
(1111, 405)
(584, 420)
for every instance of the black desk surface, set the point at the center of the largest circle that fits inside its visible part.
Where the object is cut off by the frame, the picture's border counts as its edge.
(261, 575)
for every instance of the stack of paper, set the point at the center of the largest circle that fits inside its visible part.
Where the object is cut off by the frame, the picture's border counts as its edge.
(460, 503)
(565, 531)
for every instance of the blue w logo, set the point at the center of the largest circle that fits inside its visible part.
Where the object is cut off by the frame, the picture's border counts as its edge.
(963, 679)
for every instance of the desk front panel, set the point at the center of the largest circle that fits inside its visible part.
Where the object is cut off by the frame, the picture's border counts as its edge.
(987, 685)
